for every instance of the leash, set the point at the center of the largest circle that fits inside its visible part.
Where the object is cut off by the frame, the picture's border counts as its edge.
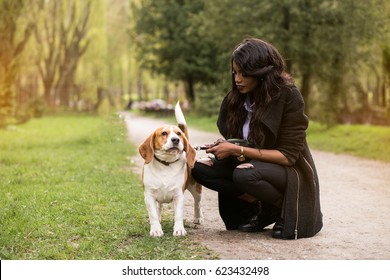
(239, 142)
(199, 148)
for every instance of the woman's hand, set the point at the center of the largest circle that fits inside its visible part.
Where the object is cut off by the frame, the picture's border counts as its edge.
(224, 149)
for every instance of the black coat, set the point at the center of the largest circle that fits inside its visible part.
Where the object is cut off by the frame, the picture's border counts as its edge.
(285, 125)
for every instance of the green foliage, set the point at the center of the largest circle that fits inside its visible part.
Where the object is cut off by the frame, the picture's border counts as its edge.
(325, 46)
(208, 100)
(67, 192)
(171, 45)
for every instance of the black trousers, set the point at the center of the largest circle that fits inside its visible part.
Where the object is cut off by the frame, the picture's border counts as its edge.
(265, 181)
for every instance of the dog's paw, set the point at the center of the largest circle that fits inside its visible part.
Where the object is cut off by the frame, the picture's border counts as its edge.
(180, 231)
(156, 232)
(198, 214)
(198, 220)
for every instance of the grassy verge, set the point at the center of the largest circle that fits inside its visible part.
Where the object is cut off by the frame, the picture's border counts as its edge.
(66, 192)
(366, 141)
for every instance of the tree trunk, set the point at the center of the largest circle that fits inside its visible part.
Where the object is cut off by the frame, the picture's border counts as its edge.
(64, 31)
(190, 92)
(139, 86)
(305, 90)
(10, 50)
(286, 27)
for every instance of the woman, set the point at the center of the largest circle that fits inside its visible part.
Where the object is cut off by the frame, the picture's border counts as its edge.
(273, 178)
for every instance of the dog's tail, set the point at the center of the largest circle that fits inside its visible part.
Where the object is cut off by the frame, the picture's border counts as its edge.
(181, 121)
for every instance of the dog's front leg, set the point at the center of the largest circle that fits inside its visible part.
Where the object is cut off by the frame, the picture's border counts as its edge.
(154, 213)
(178, 228)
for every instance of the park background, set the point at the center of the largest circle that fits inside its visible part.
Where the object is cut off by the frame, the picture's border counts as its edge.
(86, 56)
(68, 67)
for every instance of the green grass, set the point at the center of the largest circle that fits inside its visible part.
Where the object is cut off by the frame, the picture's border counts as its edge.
(366, 141)
(66, 192)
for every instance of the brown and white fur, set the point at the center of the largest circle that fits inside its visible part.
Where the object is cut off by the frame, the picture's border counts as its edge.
(169, 159)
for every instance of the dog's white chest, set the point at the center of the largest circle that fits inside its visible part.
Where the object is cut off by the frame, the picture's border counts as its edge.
(164, 182)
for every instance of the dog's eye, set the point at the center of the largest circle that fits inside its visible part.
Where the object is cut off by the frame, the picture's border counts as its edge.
(164, 133)
(178, 133)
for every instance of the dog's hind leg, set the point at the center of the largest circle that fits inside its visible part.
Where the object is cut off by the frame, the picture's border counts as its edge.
(196, 190)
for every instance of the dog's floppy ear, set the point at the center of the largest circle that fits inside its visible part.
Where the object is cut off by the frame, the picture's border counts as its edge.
(146, 148)
(190, 153)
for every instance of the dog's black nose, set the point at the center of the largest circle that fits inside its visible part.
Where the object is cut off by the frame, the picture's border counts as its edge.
(175, 141)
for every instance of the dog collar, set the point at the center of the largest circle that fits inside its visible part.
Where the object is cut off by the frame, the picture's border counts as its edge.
(165, 162)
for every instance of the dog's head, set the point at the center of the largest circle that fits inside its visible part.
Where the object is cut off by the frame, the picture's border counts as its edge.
(167, 143)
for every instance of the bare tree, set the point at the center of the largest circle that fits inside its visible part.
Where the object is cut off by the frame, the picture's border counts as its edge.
(10, 50)
(62, 41)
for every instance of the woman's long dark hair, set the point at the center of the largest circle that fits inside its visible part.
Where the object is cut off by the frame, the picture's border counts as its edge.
(261, 60)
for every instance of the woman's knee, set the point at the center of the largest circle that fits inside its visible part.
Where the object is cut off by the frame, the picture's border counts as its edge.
(244, 174)
(199, 171)
(252, 181)
(240, 179)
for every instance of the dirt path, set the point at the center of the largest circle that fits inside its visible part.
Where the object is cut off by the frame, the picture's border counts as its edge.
(355, 200)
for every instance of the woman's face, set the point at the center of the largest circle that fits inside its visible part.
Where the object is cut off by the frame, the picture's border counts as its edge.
(245, 84)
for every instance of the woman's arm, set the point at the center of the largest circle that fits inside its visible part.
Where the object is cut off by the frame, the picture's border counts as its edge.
(226, 149)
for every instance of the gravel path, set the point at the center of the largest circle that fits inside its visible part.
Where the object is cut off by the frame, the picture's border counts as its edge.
(355, 200)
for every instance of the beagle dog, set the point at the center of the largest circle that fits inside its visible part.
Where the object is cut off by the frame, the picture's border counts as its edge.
(166, 174)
